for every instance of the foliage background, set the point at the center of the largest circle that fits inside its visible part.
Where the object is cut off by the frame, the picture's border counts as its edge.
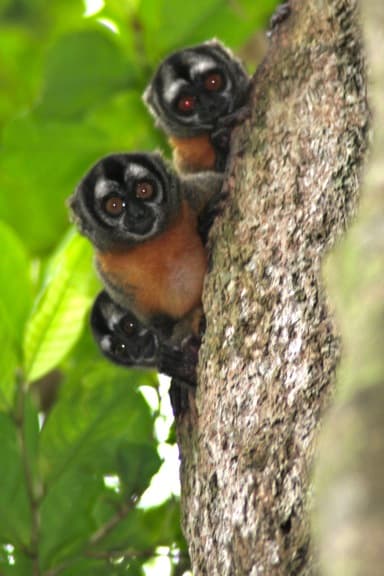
(78, 442)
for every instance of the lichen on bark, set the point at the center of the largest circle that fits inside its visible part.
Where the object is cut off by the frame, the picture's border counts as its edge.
(268, 359)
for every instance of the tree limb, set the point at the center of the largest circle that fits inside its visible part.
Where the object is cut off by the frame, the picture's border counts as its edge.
(270, 351)
(350, 473)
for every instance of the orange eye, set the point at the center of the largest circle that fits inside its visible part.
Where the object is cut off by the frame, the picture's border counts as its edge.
(144, 190)
(186, 103)
(114, 206)
(214, 82)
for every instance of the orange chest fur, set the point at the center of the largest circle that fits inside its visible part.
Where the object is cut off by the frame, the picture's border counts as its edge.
(164, 275)
(193, 154)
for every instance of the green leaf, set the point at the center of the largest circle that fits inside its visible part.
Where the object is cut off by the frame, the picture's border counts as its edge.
(83, 68)
(31, 435)
(102, 568)
(15, 304)
(67, 515)
(170, 25)
(96, 418)
(17, 50)
(9, 362)
(16, 285)
(14, 504)
(233, 22)
(137, 463)
(16, 564)
(143, 529)
(125, 123)
(40, 165)
(58, 319)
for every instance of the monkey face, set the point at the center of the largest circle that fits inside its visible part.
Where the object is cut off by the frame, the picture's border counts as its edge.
(125, 199)
(195, 87)
(121, 337)
(126, 341)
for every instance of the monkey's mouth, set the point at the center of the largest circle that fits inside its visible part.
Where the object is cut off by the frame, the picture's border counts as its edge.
(211, 113)
(140, 226)
(149, 349)
(138, 351)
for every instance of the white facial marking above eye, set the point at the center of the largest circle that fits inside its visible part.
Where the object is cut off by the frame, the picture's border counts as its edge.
(172, 89)
(136, 171)
(203, 66)
(104, 187)
(106, 344)
(113, 319)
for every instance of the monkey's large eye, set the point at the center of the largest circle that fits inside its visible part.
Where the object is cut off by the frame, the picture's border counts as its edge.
(214, 82)
(144, 190)
(128, 326)
(186, 104)
(118, 347)
(114, 206)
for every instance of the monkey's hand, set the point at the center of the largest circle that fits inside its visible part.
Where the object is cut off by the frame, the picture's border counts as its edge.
(224, 126)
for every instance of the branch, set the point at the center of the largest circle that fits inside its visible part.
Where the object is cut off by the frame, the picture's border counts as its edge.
(267, 366)
(350, 478)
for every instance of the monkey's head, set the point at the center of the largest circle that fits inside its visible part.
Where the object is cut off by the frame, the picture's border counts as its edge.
(121, 337)
(194, 87)
(126, 341)
(125, 199)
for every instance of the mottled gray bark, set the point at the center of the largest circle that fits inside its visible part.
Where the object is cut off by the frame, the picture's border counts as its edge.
(270, 351)
(350, 478)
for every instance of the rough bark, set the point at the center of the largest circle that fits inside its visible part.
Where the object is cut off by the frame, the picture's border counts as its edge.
(350, 478)
(268, 360)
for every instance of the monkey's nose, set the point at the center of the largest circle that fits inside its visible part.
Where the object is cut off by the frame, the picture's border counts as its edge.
(136, 210)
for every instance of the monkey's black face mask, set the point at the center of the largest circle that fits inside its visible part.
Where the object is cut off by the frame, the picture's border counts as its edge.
(121, 337)
(126, 341)
(125, 199)
(195, 87)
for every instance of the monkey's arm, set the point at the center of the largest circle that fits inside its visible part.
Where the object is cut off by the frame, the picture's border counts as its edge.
(202, 188)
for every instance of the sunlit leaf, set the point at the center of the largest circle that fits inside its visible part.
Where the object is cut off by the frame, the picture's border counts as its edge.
(15, 303)
(59, 316)
(16, 285)
(9, 362)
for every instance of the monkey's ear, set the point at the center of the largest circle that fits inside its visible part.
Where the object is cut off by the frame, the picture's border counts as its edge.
(78, 211)
(105, 314)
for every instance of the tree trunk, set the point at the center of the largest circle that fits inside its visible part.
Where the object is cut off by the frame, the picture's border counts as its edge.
(267, 364)
(350, 475)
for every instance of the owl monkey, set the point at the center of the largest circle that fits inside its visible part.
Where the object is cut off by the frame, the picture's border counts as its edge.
(196, 96)
(126, 341)
(143, 220)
